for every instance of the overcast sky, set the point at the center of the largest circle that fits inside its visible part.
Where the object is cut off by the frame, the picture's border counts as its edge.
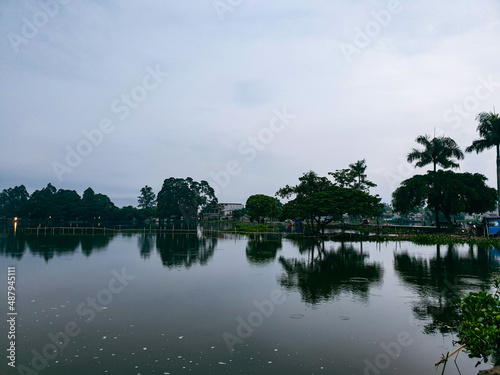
(247, 95)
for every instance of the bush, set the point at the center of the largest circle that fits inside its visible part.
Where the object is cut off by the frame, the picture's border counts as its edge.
(479, 323)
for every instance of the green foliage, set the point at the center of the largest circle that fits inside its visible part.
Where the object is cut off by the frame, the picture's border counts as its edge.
(437, 151)
(185, 197)
(479, 323)
(354, 177)
(13, 201)
(147, 199)
(260, 207)
(318, 201)
(259, 228)
(445, 191)
(238, 214)
(489, 131)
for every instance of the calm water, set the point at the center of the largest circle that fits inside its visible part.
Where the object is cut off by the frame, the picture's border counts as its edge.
(146, 304)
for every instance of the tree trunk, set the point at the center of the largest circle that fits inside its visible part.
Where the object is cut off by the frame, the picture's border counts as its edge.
(498, 179)
(436, 216)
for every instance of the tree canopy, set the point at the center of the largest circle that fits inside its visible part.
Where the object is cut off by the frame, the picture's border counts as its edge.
(489, 131)
(353, 177)
(446, 191)
(319, 201)
(438, 151)
(260, 207)
(185, 198)
(147, 199)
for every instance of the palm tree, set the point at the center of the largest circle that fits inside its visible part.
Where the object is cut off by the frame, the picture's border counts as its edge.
(489, 130)
(438, 151)
(358, 169)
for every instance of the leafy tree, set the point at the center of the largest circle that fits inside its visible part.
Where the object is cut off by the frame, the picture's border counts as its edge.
(445, 191)
(437, 151)
(238, 214)
(344, 178)
(361, 182)
(185, 198)
(129, 213)
(147, 199)
(66, 205)
(88, 195)
(260, 206)
(353, 177)
(318, 201)
(489, 131)
(41, 202)
(95, 206)
(13, 201)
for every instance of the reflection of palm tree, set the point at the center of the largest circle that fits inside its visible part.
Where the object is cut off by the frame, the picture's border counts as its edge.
(329, 273)
(262, 250)
(184, 250)
(440, 280)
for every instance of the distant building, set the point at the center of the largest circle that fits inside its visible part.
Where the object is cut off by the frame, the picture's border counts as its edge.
(228, 208)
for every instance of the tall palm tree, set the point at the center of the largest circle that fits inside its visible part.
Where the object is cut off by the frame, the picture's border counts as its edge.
(438, 151)
(489, 130)
(358, 169)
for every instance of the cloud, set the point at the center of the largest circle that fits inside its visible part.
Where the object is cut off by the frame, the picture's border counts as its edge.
(226, 78)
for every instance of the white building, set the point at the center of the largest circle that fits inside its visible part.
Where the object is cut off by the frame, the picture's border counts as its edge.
(228, 208)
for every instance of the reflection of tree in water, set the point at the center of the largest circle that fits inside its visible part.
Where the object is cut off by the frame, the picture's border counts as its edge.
(48, 246)
(262, 250)
(326, 274)
(92, 243)
(184, 250)
(146, 244)
(12, 246)
(440, 280)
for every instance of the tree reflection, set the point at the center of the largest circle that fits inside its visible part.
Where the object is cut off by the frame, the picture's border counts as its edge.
(146, 244)
(440, 280)
(262, 250)
(12, 246)
(184, 250)
(48, 246)
(326, 274)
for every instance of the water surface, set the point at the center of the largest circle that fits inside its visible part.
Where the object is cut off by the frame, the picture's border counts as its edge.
(178, 304)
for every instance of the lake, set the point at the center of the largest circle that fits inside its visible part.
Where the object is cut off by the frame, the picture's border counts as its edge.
(184, 303)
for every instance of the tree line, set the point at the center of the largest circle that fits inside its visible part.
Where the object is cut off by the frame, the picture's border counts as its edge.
(317, 200)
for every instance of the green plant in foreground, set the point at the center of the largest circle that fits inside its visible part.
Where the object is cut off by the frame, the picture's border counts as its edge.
(479, 323)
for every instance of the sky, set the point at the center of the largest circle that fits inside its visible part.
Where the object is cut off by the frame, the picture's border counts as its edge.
(247, 95)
